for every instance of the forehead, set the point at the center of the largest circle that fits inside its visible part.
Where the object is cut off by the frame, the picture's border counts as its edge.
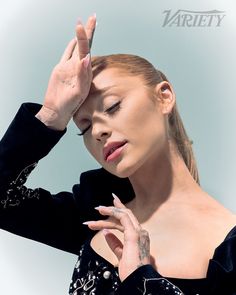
(108, 82)
(112, 78)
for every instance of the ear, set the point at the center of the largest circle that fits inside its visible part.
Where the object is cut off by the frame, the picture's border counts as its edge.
(165, 96)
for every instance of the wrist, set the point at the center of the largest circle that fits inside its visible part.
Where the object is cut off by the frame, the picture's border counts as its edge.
(51, 119)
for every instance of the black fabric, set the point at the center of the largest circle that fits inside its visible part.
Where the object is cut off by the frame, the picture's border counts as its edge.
(37, 214)
(56, 219)
(220, 279)
(95, 275)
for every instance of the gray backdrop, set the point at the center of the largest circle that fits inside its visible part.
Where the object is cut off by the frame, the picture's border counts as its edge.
(199, 61)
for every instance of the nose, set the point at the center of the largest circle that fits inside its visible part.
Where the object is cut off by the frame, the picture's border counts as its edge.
(100, 131)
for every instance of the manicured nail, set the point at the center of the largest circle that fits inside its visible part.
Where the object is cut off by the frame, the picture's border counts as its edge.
(86, 60)
(115, 197)
(105, 231)
(99, 207)
(87, 222)
(79, 21)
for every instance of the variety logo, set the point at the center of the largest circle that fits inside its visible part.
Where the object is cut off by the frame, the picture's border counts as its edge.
(189, 18)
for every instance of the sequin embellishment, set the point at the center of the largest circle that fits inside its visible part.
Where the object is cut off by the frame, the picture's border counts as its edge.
(17, 192)
(93, 277)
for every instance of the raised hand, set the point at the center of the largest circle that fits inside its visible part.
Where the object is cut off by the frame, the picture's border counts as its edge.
(70, 80)
(135, 250)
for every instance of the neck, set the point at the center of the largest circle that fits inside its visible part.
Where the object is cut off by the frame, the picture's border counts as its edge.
(162, 180)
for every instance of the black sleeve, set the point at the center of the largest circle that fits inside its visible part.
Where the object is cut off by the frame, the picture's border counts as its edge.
(35, 213)
(146, 281)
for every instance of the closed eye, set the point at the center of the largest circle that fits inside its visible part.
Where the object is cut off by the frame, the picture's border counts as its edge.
(115, 107)
(83, 131)
(111, 110)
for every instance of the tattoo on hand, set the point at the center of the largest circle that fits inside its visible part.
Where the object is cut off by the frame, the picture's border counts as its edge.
(143, 245)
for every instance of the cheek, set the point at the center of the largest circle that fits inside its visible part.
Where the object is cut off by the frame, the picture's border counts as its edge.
(143, 122)
(93, 150)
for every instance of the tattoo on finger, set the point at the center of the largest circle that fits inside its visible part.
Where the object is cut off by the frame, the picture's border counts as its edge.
(116, 210)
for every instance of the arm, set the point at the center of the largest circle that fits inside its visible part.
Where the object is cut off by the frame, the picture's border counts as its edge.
(145, 280)
(37, 214)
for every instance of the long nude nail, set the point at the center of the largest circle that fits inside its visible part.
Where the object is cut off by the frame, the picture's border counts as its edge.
(79, 21)
(87, 222)
(99, 207)
(115, 197)
(105, 231)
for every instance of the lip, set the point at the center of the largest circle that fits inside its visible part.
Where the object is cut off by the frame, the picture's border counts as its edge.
(110, 149)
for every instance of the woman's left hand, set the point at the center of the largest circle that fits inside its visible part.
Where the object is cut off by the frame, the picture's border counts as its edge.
(135, 250)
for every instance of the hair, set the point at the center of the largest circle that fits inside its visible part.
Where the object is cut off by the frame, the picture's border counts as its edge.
(137, 66)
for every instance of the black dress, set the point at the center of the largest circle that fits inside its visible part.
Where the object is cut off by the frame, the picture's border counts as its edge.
(56, 220)
(95, 275)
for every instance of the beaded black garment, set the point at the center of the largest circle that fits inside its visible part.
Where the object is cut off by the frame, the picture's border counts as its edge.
(94, 275)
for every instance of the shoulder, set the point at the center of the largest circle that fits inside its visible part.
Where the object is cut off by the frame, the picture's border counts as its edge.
(99, 182)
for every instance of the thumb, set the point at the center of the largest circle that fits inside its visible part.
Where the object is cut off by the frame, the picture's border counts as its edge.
(114, 243)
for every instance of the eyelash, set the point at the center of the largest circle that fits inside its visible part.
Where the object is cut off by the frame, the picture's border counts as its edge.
(111, 111)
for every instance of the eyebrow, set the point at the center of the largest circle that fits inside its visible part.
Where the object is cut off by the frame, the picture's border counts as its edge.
(97, 91)
(94, 90)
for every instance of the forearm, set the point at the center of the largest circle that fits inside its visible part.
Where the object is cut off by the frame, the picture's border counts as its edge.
(25, 142)
(33, 213)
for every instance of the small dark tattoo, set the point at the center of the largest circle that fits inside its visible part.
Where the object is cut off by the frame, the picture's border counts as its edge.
(144, 245)
(116, 210)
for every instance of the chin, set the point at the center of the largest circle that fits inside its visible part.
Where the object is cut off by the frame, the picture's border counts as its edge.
(121, 171)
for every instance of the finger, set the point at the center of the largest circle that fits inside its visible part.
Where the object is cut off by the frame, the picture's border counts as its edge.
(90, 28)
(102, 224)
(122, 215)
(69, 50)
(83, 43)
(117, 202)
(114, 243)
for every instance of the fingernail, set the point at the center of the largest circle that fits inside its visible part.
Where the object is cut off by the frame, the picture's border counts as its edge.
(105, 231)
(86, 61)
(99, 207)
(87, 222)
(94, 15)
(79, 21)
(115, 197)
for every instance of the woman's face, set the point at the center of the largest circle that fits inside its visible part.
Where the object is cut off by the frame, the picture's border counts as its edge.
(125, 127)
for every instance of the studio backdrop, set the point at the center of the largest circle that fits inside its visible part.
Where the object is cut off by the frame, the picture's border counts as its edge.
(192, 42)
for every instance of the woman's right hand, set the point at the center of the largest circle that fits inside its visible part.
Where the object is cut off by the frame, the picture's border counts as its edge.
(70, 79)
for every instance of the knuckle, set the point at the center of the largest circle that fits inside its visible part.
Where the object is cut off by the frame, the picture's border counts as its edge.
(133, 236)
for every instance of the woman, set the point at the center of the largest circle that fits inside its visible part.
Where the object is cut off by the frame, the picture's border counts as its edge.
(163, 234)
